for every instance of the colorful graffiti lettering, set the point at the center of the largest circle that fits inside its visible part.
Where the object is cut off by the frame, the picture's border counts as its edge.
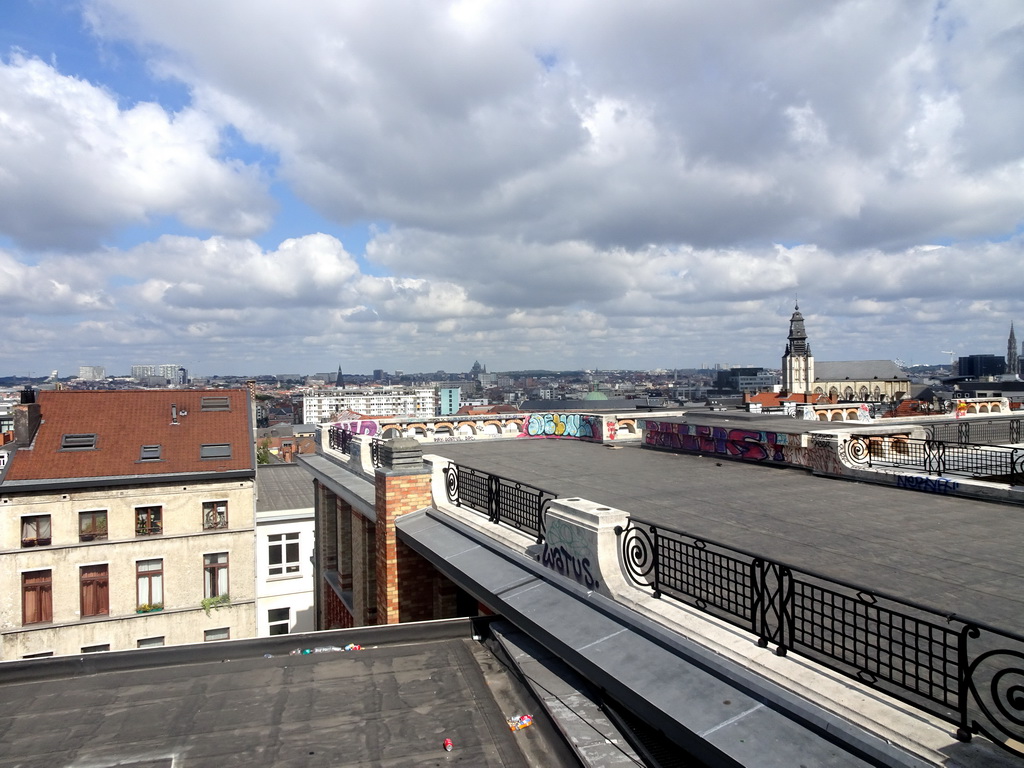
(939, 485)
(558, 425)
(611, 429)
(744, 444)
(360, 427)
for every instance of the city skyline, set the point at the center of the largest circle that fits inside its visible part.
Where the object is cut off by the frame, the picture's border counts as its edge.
(239, 187)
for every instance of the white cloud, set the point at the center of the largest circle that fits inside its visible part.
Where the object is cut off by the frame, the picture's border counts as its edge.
(561, 184)
(77, 166)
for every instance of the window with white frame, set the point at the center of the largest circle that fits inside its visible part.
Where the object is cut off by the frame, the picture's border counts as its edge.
(149, 579)
(284, 553)
(278, 620)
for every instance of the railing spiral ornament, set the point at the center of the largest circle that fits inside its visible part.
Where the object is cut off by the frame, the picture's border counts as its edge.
(1017, 462)
(542, 526)
(995, 680)
(636, 546)
(451, 483)
(857, 451)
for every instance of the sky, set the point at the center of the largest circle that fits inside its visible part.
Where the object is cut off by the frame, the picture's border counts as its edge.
(259, 186)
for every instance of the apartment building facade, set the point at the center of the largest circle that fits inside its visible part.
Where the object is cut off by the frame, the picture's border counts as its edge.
(319, 405)
(127, 521)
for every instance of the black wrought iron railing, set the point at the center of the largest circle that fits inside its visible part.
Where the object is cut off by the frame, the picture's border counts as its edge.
(376, 444)
(963, 671)
(340, 439)
(996, 463)
(980, 431)
(504, 501)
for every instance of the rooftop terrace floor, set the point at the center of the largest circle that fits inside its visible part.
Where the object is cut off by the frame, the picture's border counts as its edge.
(952, 554)
(388, 705)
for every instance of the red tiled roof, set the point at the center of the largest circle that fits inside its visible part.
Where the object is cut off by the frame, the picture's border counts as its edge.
(124, 421)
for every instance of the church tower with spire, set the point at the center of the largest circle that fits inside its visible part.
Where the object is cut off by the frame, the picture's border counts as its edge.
(1012, 356)
(797, 362)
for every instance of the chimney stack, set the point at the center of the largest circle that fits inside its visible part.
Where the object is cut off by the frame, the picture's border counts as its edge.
(26, 422)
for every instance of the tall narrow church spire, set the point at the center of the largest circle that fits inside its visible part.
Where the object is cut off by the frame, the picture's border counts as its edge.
(1012, 356)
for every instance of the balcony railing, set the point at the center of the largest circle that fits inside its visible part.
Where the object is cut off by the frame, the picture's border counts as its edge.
(504, 501)
(340, 439)
(978, 431)
(959, 670)
(995, 463)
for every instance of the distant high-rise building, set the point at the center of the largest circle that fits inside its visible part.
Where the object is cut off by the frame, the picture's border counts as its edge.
(980, 366)
(378, 374)
(171, 373)
(319, 405)
(448, 401)
(92, 372)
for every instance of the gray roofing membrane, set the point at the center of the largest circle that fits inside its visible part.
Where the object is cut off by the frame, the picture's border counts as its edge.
(953, 554)
(391, 704)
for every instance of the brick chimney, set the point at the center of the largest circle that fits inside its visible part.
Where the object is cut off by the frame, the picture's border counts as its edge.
(26, 422)
(405, 584)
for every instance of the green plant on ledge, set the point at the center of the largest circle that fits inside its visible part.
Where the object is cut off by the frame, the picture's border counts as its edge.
(149, 607)
(217, 601)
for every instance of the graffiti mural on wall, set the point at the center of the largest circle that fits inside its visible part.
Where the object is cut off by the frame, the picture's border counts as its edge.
(745, 444)
(823, 458)
(576, 425)
(359, 427)
(567, 551)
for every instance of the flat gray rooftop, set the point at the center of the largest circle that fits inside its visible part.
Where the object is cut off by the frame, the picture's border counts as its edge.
(388, 705)
(955, 555)
(283, 487)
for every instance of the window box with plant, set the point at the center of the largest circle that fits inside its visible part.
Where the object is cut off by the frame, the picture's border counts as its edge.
(149, 521)
(92, 526)
(150, 608)
(215, 603)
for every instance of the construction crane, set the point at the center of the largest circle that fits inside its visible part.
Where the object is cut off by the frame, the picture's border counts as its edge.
(951, 354)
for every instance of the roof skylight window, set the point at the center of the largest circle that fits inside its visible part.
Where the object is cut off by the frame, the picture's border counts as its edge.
(150, 453)
(78, 442)
(215, 451)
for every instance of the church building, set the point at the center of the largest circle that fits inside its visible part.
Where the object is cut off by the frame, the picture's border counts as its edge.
(850, 380)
